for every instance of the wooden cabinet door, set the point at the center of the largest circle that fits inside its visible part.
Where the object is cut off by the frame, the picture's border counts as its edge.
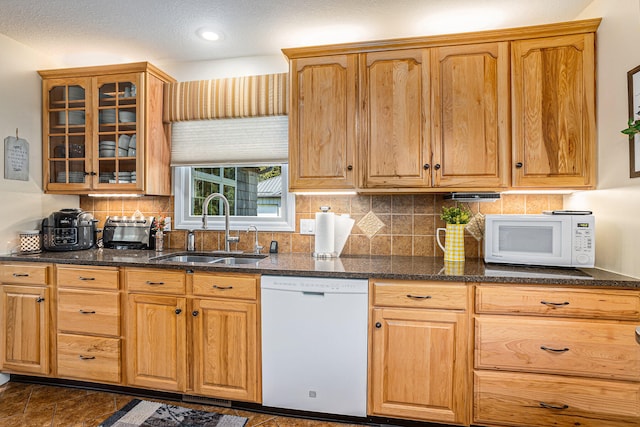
(394, 119)
(322, 123)
(226, 350)
(554, 112)
(156, 342)
(419, 364)
(470, 115)
(25, 329)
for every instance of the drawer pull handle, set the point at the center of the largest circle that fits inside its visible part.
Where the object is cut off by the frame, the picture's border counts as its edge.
(87, 278)
(87, 357)
(149, 282)
(418, 296)
(550, 406)
(554, 304)
(20, 274)
(39, 299)
(222, 288)
(554, 350)
(87, 312)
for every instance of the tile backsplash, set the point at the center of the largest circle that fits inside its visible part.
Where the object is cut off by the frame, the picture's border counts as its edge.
(406, 224)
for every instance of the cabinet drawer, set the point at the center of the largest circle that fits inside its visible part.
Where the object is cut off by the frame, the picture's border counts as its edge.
(399, 293)
(571, 347)
(88, 312)
(227, 286)
(89, 358)
(551, 400)
(28, 274)
(156, 281)
(562, 302)
(87, 277)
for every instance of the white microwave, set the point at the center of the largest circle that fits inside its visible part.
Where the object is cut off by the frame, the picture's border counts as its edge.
(562, 240)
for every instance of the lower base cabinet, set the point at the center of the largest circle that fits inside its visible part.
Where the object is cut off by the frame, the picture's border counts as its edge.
(419, 365)
(89, 358)
(520, 399)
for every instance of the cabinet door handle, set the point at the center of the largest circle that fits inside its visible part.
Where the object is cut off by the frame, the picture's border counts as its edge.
(178, 310)
(87, 357)
(426, 166)
(519, 165)
(39, 299)
(378, 325)
(20, 274)
(87, 312)
(554, 304)
(437, 166)
(554, 350)
(550, 406)
(149, 282)
(418, 296)
(194, 313)
(222, 288)
(86, 278)
(350, 167)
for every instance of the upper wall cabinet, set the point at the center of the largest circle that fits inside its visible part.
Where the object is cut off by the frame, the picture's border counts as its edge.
(322, 123)
(103, 130)
(554, 125)
(446, 113)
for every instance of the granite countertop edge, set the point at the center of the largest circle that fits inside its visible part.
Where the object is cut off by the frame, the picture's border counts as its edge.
(473, 270)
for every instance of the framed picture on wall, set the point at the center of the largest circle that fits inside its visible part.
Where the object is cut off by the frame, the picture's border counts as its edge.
(633, 81)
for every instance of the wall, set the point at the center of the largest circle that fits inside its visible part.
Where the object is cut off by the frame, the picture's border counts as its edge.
(616, 202)
(409, 221)
(23, 202)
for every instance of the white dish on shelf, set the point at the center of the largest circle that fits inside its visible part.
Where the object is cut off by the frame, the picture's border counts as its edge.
(126, 116)
(107, 152)
(123, 152)
(76, 117)
(107, 144)
(123, 141)
(132, 141)
(108, 116)
(131, 152)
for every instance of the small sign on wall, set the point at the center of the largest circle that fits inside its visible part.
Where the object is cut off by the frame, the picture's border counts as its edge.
(16, 158)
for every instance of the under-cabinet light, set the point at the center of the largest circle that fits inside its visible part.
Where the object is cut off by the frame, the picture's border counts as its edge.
(113, 195)
(324, 193)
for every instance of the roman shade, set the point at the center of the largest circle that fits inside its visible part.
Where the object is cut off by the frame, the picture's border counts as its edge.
(228, 121)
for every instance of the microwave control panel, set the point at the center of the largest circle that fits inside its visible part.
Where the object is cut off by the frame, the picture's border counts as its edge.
(583, 241)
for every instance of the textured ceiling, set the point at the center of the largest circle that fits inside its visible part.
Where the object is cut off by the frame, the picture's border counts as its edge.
(83, 31)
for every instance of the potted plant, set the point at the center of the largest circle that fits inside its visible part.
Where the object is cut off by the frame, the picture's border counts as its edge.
(456, 217)
(633, 127)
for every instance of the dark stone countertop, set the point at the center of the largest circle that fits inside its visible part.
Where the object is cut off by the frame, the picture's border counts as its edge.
(383, 267)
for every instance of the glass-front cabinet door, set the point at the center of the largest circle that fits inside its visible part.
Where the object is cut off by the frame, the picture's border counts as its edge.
(68, 134)
(119, 133)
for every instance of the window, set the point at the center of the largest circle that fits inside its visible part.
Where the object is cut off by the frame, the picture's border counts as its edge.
(257, 195)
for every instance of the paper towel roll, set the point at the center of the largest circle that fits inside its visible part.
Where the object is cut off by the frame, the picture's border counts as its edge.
(325, 234)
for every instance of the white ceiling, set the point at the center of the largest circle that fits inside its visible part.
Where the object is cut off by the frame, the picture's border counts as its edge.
(86, 32)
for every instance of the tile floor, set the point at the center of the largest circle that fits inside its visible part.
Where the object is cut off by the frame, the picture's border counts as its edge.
(33, 405)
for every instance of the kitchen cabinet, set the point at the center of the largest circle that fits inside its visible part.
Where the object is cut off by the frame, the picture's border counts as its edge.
(554, 127)
(322, 123)
(556, 356)
(89, 340)
(419, 354)
(436, 117)
(447, 113)
(103, 130)
(219, 312)
(226, 341)
(156, 333)
(25, 318)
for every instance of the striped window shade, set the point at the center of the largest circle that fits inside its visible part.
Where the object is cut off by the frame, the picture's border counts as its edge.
(251, 96)
(237, 121)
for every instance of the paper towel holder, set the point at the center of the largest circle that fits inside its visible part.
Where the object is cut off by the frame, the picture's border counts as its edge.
(327, 254)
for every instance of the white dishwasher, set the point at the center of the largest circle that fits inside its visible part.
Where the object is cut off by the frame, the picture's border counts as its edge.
(314, 344)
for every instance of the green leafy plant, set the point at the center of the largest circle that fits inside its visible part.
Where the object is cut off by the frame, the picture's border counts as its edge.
(633, 127)
(456, 214)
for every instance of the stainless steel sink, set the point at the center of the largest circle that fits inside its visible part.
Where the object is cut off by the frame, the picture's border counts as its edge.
(226, 259)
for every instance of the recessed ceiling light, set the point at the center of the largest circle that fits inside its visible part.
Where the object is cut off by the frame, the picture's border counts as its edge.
(208, 34)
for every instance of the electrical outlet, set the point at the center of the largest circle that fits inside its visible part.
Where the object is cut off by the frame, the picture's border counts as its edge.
(307, 226)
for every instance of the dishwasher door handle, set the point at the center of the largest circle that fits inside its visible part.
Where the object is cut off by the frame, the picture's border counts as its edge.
(316, 294)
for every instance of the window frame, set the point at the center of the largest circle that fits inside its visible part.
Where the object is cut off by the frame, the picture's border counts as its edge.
(185, 221)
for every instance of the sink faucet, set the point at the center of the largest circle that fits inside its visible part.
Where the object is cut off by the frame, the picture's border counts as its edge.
(225, 202)
(256, 246)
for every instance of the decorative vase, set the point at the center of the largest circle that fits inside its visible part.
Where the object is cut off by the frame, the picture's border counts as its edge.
(454, 242)
(159, 240)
